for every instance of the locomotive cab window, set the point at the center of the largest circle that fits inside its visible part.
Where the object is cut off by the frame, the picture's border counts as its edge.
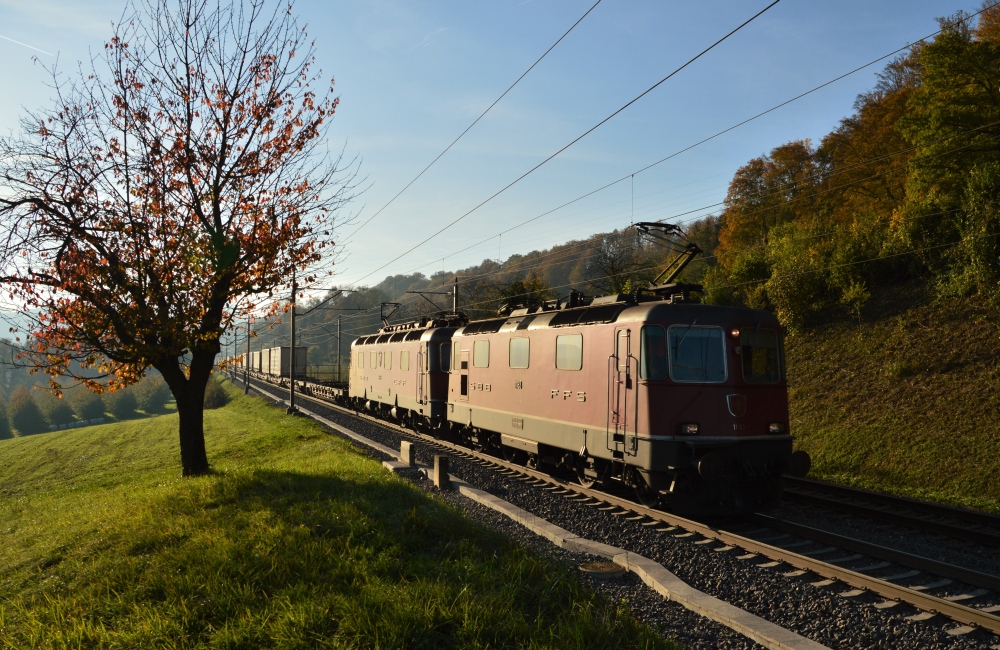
(653, 353)
(761, 356)
(569, 352)
(431, 361)
(404, 360)
(481, 354)
(519, 349)
(696, 353)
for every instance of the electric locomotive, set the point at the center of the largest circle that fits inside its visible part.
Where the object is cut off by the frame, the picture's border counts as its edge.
(684, 402)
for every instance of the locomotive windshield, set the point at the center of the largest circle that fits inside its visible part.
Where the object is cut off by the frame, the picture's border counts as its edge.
(697, 353)
(761, 356)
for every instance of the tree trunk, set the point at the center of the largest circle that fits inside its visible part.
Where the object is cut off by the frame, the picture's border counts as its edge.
(190, 411)
(189, 393)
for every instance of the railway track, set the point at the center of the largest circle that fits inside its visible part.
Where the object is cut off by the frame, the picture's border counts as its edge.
(958, 523)
(896, 576)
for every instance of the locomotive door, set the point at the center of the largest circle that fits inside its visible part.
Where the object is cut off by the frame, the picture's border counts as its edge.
(422, 377)
(623, 409)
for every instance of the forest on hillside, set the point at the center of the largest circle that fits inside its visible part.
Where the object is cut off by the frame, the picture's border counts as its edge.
(906, 188)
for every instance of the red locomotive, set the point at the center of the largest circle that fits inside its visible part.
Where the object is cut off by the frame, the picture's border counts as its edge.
(685, 402)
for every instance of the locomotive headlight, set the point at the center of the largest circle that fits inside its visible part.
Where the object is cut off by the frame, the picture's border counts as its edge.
(689, 429)
(776, 428)
(735, 333)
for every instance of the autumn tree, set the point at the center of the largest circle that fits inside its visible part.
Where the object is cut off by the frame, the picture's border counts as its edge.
(177, 182)
(866, 157)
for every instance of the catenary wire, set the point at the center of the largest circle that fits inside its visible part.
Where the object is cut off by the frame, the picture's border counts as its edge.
(570, 144)
(705, 140)
(474, 122)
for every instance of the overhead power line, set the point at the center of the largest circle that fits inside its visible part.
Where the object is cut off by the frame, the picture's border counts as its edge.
(699, 143)
(572, 142)
(481, 116)
(689, 148)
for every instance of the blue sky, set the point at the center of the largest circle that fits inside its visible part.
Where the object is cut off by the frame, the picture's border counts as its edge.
(412, 75)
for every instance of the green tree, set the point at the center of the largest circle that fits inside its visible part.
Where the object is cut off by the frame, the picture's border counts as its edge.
(25, 416)
(979, 227)
(121, 403)
(151, 394)
(5, 431)
(215, 394)
(56, 409)
(87, 405)
(953, 120)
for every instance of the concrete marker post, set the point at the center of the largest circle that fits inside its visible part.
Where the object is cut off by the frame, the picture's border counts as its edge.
(407, 454)
(441, 480)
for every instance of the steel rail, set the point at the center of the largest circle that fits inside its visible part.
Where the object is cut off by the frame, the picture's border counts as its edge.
(957, 531)
(936, 567)
(923, 601)
(966, 515)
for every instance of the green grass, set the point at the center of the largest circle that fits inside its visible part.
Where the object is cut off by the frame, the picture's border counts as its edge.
(907, 403)
(295, 541)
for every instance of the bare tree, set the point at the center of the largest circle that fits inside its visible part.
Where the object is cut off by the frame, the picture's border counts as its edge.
(620, 263)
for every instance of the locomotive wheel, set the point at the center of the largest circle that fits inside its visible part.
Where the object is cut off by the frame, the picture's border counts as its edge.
(583, 479)
(595, 474)
(512, 455)
(646, 495)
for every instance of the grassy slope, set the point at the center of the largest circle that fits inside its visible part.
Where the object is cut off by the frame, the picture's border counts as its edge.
(907, 402)
(297, 540)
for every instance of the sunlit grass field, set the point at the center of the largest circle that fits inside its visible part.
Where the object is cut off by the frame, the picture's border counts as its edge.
(296, 540)
(907, 402)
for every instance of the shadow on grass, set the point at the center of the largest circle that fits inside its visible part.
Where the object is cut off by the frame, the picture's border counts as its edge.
(371, 562)
(386, 513)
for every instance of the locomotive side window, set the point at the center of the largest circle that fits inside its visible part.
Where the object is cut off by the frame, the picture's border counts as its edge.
(446, 356)
(569, 352)
(481, 354)
(696, 353)
(388, 360)
(404, 360)
(374, 360)
(653, 353)
(761, 359)
(456, 363)
(519, 349)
